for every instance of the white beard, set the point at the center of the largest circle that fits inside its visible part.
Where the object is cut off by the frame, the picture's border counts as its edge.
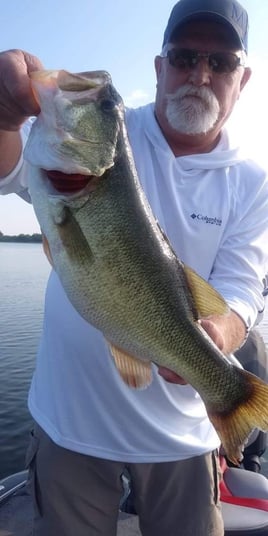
(192, 110)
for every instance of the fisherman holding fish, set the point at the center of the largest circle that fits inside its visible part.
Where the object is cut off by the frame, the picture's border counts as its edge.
(119, 298)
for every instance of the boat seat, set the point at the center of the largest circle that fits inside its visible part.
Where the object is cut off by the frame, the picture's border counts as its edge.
(244, 500)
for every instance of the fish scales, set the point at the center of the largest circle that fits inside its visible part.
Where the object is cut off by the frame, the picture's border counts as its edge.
(117, 267)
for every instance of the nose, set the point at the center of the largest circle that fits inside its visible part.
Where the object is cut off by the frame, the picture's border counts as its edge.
(200, 74)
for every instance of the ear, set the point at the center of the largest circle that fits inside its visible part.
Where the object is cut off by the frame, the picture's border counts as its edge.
(158, 66)
(245, 78)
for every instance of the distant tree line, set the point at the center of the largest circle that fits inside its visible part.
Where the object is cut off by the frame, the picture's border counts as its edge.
(21, 238)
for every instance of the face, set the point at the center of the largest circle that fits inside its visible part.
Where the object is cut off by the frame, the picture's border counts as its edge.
(197, 100)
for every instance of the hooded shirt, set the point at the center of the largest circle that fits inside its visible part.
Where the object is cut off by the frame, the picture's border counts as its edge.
(213, 208)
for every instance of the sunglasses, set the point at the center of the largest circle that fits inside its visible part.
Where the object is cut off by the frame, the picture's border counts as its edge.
(186, 59)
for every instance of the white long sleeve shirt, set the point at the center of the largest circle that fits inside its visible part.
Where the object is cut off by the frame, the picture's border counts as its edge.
(214, 209)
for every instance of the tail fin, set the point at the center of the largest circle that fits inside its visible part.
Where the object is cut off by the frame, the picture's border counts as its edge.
(235, 426)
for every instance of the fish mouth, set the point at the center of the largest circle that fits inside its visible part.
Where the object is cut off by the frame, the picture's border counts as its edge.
(68, 182)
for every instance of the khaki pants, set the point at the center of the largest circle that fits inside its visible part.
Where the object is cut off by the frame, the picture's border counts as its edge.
(78, 495)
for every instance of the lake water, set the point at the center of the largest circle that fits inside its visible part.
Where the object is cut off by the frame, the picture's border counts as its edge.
(23, 274)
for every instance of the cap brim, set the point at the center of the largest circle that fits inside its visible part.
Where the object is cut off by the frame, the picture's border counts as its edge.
(208, 16)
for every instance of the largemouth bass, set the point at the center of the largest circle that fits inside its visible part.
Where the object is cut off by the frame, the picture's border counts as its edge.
(116, 265)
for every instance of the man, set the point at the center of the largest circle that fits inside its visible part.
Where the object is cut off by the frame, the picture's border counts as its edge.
(212, 204)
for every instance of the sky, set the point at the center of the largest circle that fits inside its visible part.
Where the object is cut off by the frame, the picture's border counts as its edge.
(122, 37)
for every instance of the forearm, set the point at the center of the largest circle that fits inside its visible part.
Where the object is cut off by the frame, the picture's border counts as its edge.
(10, 151)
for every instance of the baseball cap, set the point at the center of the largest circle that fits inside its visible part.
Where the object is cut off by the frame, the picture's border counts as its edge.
(228, 12)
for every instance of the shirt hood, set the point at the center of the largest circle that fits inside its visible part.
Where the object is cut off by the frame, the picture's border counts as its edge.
(221, 156)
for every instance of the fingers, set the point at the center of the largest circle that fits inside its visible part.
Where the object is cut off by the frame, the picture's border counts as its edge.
(213, 331)
(17, 100)
(23, 64)
(215, 334)
(170, 376)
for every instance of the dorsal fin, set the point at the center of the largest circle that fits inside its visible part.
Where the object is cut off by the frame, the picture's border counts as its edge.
(207, 300)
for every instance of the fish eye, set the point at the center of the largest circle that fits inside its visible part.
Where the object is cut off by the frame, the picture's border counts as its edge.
(107, 105)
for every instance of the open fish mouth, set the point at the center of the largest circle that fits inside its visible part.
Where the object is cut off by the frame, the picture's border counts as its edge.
(69, 182)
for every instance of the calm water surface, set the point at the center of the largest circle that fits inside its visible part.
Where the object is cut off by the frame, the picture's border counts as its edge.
(23, 274)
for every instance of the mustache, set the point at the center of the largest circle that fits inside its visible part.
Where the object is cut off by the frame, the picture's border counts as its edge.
(204, 93)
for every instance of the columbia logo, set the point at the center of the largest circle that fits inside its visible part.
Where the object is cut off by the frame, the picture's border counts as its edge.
(206, 219)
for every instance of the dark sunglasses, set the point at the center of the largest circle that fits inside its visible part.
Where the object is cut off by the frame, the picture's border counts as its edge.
(219, 62)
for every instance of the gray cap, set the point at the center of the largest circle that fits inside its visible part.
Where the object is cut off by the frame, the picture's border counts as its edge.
(228, 12)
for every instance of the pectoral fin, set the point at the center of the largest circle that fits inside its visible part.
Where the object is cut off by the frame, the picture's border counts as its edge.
(134, 372)
(207, 300)
(72, 237)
